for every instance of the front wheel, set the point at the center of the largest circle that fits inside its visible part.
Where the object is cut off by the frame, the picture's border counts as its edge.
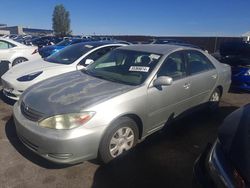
(120, 137)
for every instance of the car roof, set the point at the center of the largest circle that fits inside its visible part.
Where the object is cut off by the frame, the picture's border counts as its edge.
(157, 48)
(12, 41)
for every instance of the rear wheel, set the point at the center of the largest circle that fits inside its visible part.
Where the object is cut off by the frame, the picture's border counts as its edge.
(215, 99)
(119, 138)
(19, 60)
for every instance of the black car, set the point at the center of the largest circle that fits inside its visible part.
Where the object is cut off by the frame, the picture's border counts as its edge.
(173, 41)
(46, 40)
(226, 163)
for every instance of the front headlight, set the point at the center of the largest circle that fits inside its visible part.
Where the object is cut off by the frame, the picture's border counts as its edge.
(29, 77)
(67, 121)
(247, 73)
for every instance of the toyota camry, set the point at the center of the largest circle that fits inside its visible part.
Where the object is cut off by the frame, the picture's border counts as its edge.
(123, 97)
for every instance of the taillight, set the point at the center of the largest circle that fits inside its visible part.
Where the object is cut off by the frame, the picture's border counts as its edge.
(35, 51)
(240, 183)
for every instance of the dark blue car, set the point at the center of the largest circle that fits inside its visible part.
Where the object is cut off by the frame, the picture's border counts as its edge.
(48, 50)
(237, 55)
(226, 163)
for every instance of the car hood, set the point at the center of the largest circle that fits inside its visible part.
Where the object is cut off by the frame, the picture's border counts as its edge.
(31, 67)
(69, 93)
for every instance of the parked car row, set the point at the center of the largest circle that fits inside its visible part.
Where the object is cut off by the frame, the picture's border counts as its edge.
(98, 99)
(16, 52)
(48, 50)
(31, 40)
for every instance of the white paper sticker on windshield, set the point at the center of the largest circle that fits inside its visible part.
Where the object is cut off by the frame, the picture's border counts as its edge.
(139, 68)
(154, 56)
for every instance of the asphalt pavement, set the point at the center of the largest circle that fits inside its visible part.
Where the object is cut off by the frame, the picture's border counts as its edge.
(165, 159)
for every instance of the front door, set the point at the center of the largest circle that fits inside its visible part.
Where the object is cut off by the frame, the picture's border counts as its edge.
(169, 100)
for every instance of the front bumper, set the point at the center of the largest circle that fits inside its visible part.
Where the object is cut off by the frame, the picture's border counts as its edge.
(10, 91)
(60, 146)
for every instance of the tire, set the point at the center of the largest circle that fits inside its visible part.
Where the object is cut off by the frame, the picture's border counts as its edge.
(124, 135)
(19, 60)
(214, 100)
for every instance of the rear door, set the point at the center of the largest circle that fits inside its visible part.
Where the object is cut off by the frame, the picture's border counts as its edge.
(202, 74)
(173, 99)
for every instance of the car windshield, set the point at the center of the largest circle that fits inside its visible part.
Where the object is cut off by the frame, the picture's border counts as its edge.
(124, 66)
(69, 54)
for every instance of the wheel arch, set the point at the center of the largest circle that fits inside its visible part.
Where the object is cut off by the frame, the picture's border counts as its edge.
(12, 62)
(138, 121)
(132, 116)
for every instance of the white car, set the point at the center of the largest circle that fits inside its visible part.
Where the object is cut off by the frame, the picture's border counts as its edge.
(15, 52)
(71, 58)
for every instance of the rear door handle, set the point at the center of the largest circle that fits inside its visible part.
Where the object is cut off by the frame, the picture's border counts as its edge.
(186, 85)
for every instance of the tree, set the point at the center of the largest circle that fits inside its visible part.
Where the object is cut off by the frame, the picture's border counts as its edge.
(61, 21)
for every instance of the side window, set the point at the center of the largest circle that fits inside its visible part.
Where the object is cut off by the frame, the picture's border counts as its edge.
(174, 66)
(198, 62)
(5, 45)
(97, 54)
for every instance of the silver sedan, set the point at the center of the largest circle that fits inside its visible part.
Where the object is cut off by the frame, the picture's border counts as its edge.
(122, 98)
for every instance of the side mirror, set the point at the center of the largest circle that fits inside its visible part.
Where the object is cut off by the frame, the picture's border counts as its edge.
(89, 61)
(163, 81)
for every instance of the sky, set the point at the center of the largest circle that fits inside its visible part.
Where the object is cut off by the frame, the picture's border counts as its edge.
(135, 17)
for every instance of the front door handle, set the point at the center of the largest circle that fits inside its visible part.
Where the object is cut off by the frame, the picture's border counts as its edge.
(186, 85)
(214, 76)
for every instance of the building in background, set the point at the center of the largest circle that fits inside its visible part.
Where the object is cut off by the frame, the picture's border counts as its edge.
(19, 30)
(3, 32)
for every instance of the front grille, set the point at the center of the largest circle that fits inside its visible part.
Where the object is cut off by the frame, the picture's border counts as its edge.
(9, 94)
(30, 113)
